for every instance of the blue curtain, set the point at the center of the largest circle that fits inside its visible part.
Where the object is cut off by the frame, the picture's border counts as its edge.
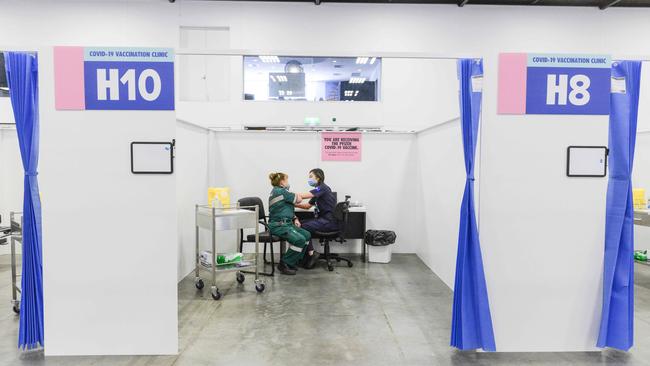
(617, 320)
(471, 324)
(22, 77)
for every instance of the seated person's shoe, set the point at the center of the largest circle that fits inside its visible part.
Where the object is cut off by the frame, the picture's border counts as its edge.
(311, 261)
(285, 269)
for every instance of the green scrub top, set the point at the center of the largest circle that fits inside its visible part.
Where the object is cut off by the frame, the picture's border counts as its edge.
(281, 203)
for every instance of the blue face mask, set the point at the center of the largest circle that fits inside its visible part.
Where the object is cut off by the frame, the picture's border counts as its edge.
(312, 182)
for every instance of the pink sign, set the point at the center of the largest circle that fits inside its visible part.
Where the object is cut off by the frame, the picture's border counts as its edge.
(512, 83)
(341, 146)
(69, 78)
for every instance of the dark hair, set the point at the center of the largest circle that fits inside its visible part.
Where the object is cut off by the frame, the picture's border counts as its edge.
(276, 178)
(320, 175)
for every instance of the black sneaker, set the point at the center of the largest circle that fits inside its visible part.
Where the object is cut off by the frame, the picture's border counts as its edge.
(285, 269)
(312, 260)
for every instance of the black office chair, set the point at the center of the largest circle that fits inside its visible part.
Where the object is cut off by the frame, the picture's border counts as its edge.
(341, 214)
(265, 237)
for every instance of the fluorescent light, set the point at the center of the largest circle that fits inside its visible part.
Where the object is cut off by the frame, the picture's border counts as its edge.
(270, 59)
(372, 60)
(272, 78)
(362, 60)
(357, 80)
(356, 93)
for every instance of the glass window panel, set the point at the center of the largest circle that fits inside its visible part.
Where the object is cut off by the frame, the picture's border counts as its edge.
(314, 79)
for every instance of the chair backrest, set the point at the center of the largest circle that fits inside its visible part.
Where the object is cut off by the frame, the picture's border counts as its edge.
(254, 201)
(342, 213)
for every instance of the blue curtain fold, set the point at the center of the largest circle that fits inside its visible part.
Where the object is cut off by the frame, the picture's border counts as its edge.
(22, 77)
(617, 320)
(471, 325)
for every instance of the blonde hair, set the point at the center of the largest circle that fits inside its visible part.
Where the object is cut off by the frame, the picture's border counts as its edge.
(276, 178)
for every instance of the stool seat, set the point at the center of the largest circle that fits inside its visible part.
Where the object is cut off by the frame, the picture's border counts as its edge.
(326, 234)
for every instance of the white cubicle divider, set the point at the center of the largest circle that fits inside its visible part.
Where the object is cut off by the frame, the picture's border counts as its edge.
(109, 236)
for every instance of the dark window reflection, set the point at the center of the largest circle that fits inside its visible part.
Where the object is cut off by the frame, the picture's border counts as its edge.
(311, 78)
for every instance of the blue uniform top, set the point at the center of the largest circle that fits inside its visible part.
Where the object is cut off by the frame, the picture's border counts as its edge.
(323, 200)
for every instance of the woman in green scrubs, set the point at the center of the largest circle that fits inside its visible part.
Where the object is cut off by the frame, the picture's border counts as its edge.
(284, 223)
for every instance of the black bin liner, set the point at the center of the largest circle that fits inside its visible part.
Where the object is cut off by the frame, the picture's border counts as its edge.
(380, 238)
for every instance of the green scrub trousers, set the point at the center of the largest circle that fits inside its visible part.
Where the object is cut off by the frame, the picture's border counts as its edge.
(298, 239)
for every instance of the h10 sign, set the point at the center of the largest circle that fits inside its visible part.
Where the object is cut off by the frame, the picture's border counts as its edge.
(554, 84)
(113, 78)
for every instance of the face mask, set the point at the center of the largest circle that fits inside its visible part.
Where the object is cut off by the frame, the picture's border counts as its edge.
(312, 182)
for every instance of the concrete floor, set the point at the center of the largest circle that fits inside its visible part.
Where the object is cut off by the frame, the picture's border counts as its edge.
(372, 314)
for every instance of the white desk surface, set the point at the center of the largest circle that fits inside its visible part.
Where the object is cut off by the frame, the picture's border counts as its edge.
(352, 209)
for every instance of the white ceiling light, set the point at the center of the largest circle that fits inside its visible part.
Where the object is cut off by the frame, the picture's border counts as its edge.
(272, 78)
(362, 60)
(356, 93)
(372, 60)
(357, 80)
(270, 59)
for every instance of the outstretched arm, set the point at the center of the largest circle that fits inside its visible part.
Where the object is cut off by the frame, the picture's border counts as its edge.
(304, 205)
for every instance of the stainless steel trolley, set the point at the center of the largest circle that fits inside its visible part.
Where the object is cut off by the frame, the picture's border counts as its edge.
(222, 219)
(15, 234)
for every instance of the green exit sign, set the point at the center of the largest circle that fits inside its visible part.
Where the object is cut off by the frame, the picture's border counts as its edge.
(312, 121)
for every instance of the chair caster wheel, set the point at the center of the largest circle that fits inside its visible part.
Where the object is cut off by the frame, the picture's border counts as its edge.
(330, 268)
(216, 295)
(240, 277)
(199, 284)
(350, 264)
(260, 287)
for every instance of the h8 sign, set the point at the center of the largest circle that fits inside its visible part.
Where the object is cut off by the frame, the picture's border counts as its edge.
(551, 90)
(554, 84)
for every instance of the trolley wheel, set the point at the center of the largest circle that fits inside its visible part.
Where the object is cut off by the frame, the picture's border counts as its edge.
(240, 277)
(216, 294)
(350, 264)
(16, 309)
(260, 287)
(199, 284)
(330, 268)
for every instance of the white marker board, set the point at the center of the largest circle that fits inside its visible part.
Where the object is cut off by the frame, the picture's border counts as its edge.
(587, 161)
(152, 157)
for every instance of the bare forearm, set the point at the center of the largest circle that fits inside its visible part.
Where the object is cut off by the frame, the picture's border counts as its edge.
(304, 205)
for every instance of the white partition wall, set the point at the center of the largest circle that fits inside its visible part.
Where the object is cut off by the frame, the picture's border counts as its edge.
(384, 181)
(442, 181)
(109, 236)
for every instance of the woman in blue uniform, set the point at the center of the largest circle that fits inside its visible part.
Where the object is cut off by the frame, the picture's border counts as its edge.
(323, 199)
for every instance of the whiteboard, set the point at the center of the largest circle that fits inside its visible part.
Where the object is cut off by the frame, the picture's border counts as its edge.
(152, 157)
(587, 161)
